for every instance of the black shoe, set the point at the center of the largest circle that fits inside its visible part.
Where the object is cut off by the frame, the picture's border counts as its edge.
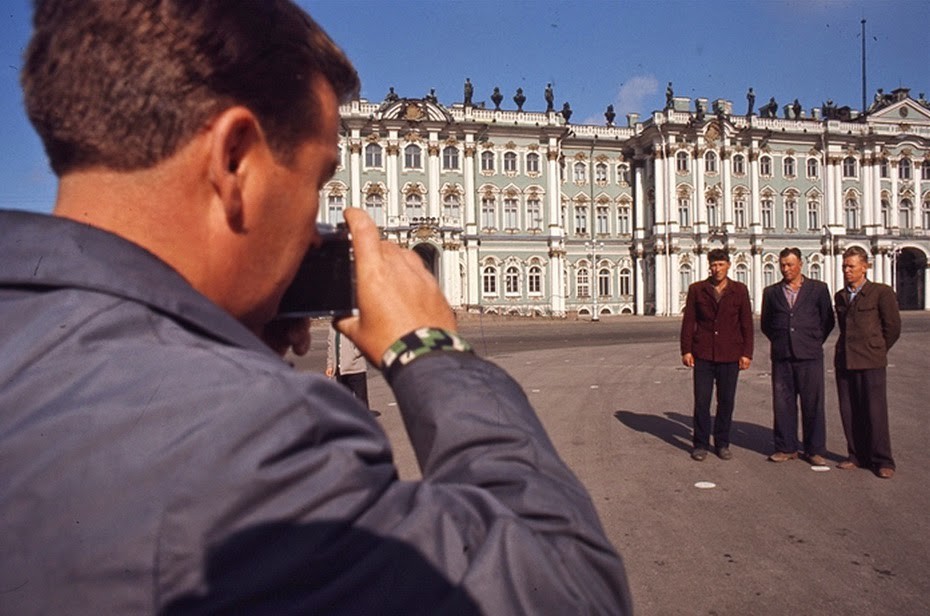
(698, 454)
(724, 453)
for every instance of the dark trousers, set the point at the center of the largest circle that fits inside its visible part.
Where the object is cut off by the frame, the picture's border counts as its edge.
(706, 375)
(801, 380)
(357, 383)
(864, 411)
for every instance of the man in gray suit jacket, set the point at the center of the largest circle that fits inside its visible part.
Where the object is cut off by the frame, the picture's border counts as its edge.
(870, 324)
(797, 317)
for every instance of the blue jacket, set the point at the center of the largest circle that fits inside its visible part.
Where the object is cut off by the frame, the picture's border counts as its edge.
(158, 458)
(798, 332)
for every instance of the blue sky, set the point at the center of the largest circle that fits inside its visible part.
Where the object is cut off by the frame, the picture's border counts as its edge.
(594, 52)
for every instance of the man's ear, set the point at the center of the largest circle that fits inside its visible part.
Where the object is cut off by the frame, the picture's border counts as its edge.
(235, 135)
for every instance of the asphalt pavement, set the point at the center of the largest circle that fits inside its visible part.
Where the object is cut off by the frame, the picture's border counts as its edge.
(766, 538)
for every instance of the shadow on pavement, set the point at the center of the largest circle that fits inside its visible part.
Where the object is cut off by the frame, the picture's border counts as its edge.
(675, 429)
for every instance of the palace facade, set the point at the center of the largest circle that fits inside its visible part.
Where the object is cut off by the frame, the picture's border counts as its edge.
(522, 212)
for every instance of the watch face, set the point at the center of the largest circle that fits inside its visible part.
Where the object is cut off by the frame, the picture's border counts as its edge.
(902, 112)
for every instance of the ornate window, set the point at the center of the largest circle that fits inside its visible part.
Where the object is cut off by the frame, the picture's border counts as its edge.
(685, 276)
(883, 170)
(452, 206)
(681, 161)
(580, 174)
(905, 218)
(813, 215)
(623, 219)
(791, 214)
(904, 169)
(450, 158)
(534, 280)
(710, 162)
(534, 217)
(488, 213)
(335, 204)
(925, 170)
(600, 173)
(623, 174)
(739, 164)
(851, 209)
(850, 168)
(373, 156)
(684, 211)
(511, 214)
(925, 215)
(581, 220)
(512, 280)
(886, 213)
(413, 158)
(413, 206)
(765, 165)
(739, 213)
(788, 167)
(742, 273)
(489, 281)
(582, 282)
(768, 214)
(813, 168)
(713, 219)
(813, 271)
(487, 161)
(532, 162)
(603, 282)
(374, 205)
(626, 282)
(768, 274)
(510, 162)
(603, 224)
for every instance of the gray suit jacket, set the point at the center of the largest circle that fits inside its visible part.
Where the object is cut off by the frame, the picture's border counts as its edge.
(798, 332)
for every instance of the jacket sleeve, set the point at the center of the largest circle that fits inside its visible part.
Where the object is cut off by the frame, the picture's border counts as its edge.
(688, 321)
(308, 515)
(766, 323)
(745, 323)
(890, 316)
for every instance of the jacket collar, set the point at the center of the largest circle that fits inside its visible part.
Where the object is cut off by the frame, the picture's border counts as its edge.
(48, 251)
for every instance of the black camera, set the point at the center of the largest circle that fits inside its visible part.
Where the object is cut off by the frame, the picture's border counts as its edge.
(324, 285)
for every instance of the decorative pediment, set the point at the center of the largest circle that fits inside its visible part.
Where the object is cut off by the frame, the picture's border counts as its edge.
(414, 110)
(907, 111)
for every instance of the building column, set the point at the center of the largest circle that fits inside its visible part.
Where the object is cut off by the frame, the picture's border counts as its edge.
(355, 169)
(640, 203)
(433, 202)
(661, 231)
(557, 289)
(393, 189)
(726, 199)
(472, 268)
(895, 223)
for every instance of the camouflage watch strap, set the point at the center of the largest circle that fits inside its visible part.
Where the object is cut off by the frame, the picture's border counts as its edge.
(418, 343)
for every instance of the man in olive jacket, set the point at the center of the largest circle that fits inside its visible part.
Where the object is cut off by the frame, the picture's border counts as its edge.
(716, 340)
(870, 324)
(797, 317)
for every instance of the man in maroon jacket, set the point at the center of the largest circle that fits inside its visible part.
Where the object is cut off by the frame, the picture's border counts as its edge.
(716, 340)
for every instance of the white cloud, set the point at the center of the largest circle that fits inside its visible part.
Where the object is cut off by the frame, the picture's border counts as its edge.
(633, 94)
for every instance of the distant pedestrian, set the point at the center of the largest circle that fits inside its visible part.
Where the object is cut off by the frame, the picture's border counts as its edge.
(870, 324)
(797, 317)
(347, 365)
(716, 340)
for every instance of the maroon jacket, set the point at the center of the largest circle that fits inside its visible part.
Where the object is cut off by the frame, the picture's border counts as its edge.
(717, 331)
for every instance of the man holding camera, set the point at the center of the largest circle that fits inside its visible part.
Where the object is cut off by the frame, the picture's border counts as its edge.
(158, 456)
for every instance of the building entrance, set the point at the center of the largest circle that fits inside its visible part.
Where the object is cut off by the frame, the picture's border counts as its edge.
(910, 279)
(430, 257)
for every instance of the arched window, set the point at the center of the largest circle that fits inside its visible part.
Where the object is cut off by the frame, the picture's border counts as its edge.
(511, 213)
(765, 165)
(374, 205)
(685, 277)
(710, 162)
(623, 174)
(814, 271)
(450, 158)
(684, 211)
(791, 214)
(852, 214)
(373, 155)
(335, 204)
(850, 168)
(742, 273)
(452, 206)
(489, 281)
(623, 219)
(905, 214)
(883, 168)
(925, 170)
(813, 215)
(768, 214)
(886, 213)
(600, 173)
(582, 282)
(534, 280)
(603, 282)
(681, 161)
(739, 164)
(581, 220)
(925, 215)
(414, 206)
(626, 282)
(487, 161)
(532, 162)
(813, 168)
(904, 169)
(739, 213)
(580, 172)
(511, 280)
(534, 217)
(488, 213)
(412, 157)
(788, 167)
(510, 162)
(713, 218)
(768, 274)
(602, 220)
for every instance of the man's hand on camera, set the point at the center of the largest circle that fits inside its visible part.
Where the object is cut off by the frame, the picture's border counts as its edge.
(396, 294)
(284, 335)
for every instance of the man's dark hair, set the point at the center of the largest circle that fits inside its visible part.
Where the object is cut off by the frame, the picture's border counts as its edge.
(718, 254)
(856, 251)
(124, 84)
(791, 251)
